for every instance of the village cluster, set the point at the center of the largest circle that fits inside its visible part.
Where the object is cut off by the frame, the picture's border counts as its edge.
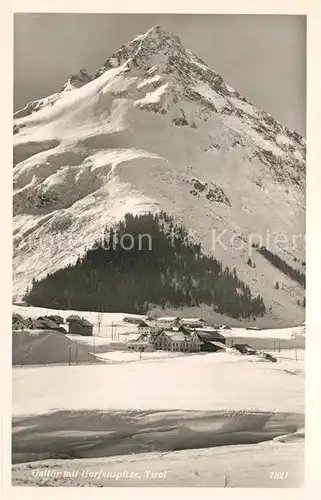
(175, 334)
(184, 335)
(189, 335)
(76, 324)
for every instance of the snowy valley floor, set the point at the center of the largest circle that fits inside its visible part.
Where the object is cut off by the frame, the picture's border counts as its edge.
(199, 420)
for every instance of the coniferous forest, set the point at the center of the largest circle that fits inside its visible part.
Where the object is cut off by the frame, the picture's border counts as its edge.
(280, 264)
(129, 272)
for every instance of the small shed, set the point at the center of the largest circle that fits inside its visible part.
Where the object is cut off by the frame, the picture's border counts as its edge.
(81, 326)
(244, 349)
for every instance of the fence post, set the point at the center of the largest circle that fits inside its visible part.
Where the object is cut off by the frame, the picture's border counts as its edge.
(94, 347)
(76, 353)
(69, 355)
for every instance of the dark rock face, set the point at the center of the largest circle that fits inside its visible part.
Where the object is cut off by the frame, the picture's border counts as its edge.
(211, 192)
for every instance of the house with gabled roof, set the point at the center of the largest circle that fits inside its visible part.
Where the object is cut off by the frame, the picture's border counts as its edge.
(141, 343)
(151, 327)
(81, 326)
(177, 339)
(18, 322)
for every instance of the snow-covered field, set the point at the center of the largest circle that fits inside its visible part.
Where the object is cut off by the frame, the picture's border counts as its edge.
(128, 356)
(139, 415)
(204, 382)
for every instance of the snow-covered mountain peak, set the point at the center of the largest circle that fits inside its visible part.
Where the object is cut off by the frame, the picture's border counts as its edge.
(154, 48)
(155, 129)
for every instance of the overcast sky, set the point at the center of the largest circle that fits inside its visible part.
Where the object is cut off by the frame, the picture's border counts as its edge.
(263, 57)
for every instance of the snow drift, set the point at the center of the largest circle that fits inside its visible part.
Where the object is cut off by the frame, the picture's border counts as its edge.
(45, 347)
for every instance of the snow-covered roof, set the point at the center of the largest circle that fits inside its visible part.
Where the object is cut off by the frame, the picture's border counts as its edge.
(168, 318)
(81, 321)
(192, 320)
(147, 323)
(43, 323)
(217, 344)
(20, 320)
(177, 336)
(132, 337)
(56, 318)
(133, 319)
(16, 316)
(71, 317)
(203, 334)
(208, 329)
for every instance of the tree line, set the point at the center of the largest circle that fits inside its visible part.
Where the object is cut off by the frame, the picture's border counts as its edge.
(280, 264)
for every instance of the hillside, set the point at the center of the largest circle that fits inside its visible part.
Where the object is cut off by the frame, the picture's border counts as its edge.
(157, 129)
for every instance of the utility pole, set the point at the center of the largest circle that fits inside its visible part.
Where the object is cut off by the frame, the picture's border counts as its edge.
(99, 322)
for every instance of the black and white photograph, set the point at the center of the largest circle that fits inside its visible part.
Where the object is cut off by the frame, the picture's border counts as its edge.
(159, 257)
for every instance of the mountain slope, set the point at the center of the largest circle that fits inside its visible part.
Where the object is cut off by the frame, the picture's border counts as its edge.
(157, 129)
